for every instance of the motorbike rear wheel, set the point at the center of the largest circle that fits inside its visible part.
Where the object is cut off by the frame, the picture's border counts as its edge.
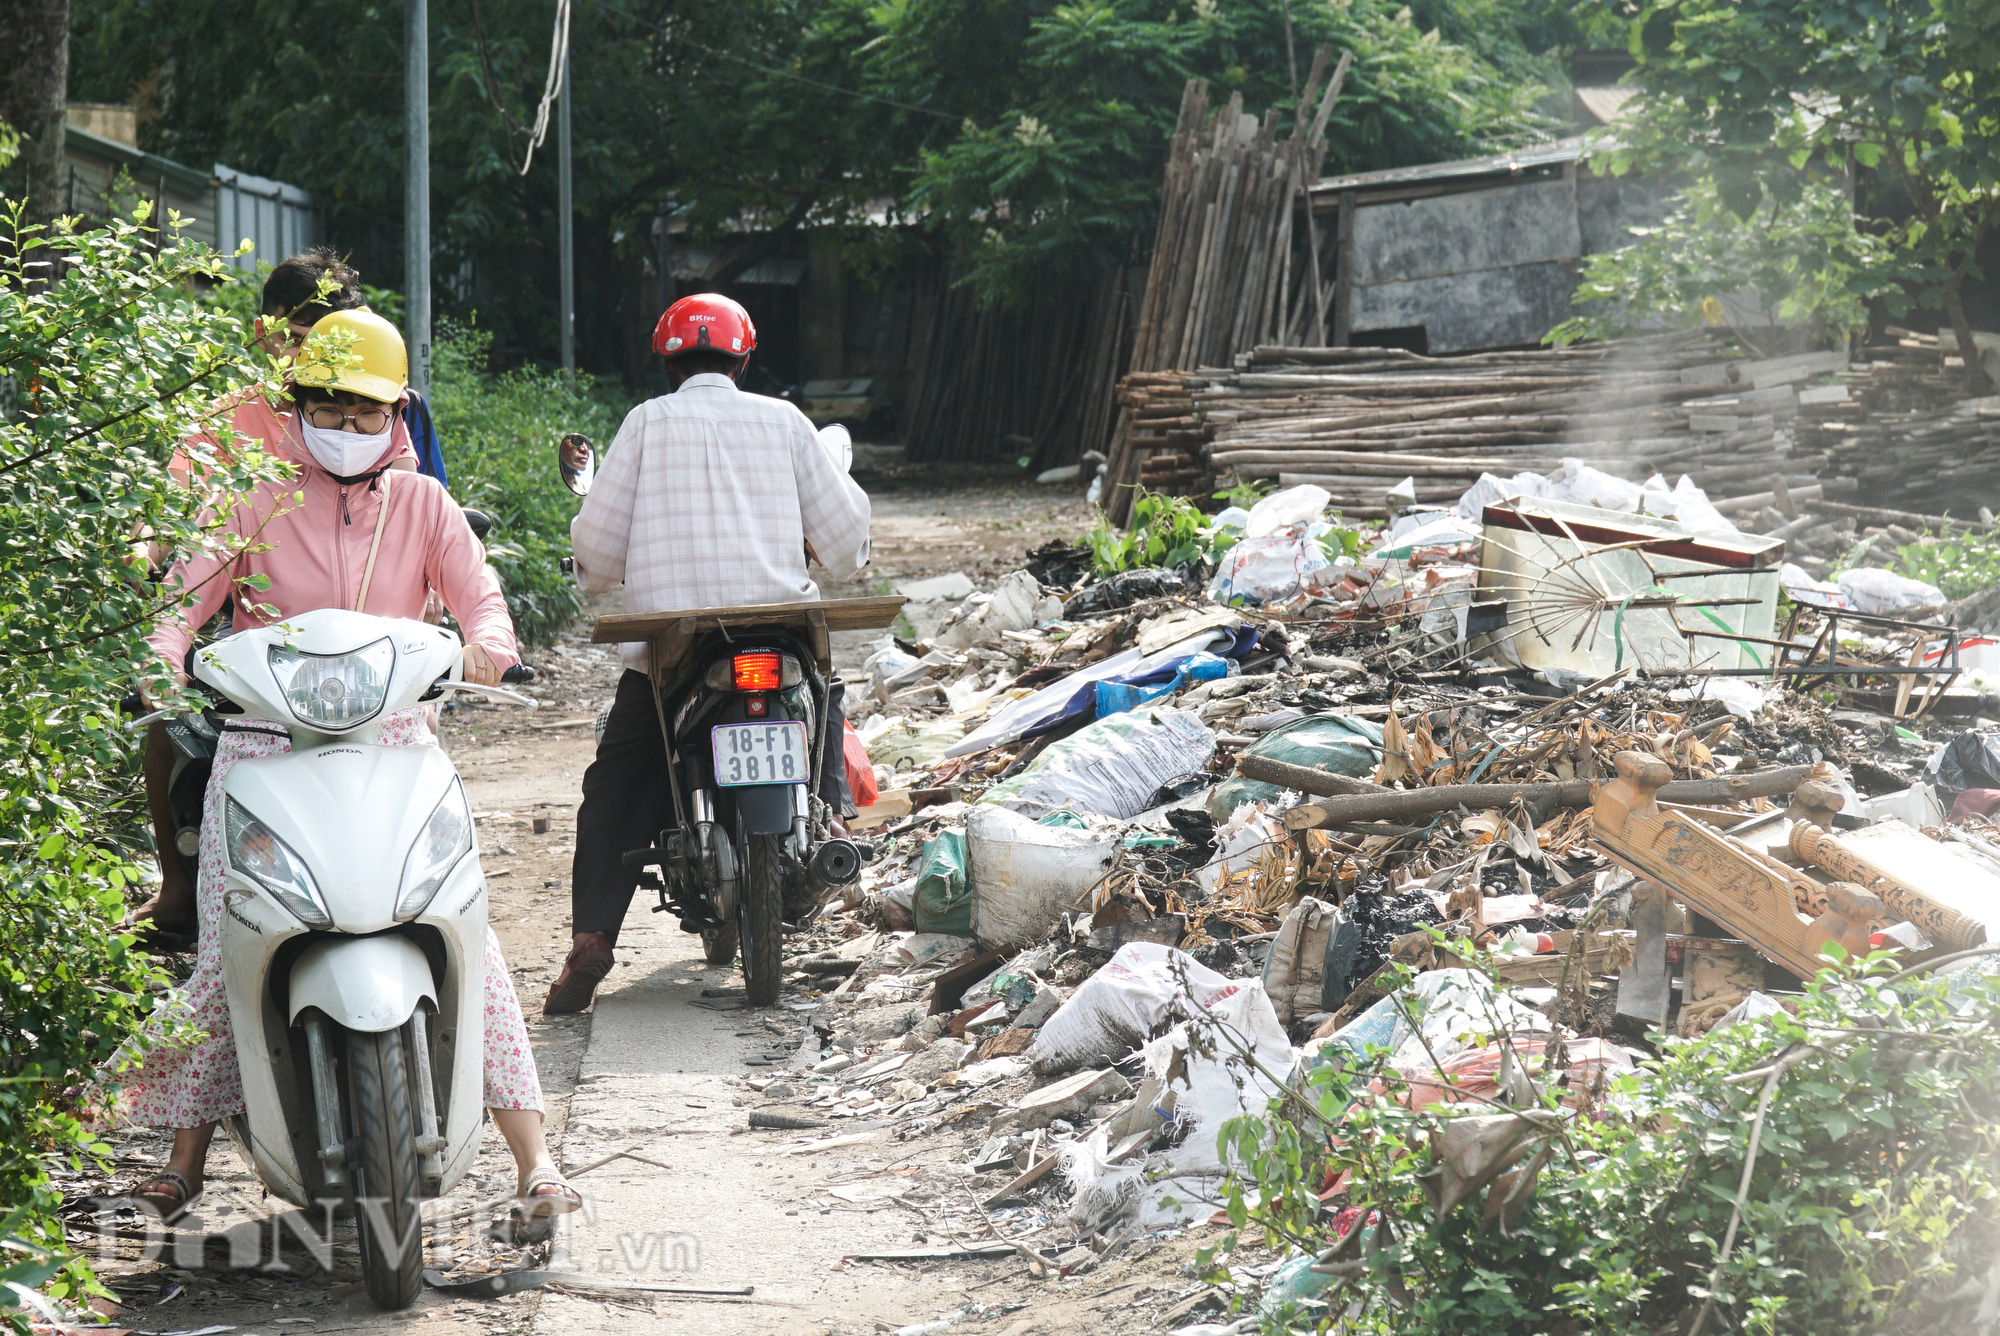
(760, 914)
(718, 945)
(385, 1167)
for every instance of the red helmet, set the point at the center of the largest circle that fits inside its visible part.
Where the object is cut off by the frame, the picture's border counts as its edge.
(707, 320)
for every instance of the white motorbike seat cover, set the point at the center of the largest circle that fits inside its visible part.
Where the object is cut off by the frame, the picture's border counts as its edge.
(362, 983)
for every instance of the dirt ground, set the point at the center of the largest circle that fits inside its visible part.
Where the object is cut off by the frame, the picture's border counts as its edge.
(649, 1080)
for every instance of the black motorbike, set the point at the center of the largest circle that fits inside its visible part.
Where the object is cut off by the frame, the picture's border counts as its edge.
(751, 727)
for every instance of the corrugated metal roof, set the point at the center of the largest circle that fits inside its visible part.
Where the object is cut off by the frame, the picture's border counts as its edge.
(1501, 164)
(145, 167)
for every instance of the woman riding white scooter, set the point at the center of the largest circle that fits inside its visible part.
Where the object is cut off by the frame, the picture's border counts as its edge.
(370, 538)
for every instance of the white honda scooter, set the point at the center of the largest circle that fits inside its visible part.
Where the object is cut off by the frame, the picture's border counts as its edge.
(354, 928)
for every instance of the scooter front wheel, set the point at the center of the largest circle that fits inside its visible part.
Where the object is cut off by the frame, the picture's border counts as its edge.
(386, 1169)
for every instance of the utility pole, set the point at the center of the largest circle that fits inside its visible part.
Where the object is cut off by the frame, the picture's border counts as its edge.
(566, 223)
(417, 192)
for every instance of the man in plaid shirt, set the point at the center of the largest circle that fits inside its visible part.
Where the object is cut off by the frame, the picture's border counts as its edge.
(709, 497)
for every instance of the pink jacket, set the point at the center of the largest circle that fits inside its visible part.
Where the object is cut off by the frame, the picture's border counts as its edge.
(315, 537)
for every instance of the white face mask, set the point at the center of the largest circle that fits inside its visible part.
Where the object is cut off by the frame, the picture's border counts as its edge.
(345, 454)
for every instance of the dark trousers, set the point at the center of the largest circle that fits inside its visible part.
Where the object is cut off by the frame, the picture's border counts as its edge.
(627, 800)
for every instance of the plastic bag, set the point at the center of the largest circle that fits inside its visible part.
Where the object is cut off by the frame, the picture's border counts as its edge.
(1124, 589)
(1873, 590)
(913, 743)
(1117, 697)
(1281, 510)
(1025, 874)
(1268, 569)
(1124, 1004)
(1329, 742)
(1205, 1080)
(1491, 488)
(1802, 588)
(1110, 767)
(860, 770)
(1580, 484)
(942, 902)
(1968, 761)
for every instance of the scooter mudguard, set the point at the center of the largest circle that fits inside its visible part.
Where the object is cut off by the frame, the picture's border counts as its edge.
(765, 809)
(362, 983)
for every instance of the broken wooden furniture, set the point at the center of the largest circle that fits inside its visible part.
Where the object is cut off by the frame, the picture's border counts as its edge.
(1752, 895)
(1952, 898)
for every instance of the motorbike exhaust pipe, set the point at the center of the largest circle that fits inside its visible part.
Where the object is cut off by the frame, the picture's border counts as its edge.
(836, 863)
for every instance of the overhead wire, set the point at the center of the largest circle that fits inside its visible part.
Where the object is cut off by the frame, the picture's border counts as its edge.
(558, 69)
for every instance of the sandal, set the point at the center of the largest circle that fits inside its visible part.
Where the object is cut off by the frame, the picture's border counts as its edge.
(547, 1193)
(168, 1193)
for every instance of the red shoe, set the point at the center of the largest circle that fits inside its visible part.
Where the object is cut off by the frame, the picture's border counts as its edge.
(588, 962)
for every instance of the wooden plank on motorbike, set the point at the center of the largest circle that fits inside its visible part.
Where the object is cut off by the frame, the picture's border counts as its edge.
(842, 614)
(670, 647)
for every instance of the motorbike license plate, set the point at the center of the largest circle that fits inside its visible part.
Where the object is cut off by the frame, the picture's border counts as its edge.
(773, 753)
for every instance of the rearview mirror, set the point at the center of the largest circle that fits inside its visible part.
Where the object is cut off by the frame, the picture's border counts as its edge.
(577, 462)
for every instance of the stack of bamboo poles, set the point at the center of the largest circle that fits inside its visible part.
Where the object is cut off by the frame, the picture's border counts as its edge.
(1034, 381)
(1226, 274)
(1901, 431)
(1357, 421)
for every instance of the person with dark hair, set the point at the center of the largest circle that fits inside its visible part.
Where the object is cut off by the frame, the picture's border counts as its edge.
(300, 289)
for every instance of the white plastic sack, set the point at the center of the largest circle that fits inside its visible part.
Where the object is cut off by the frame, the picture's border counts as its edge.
(1580, 484)
(1123, 1005)
(1012, 608)
(1802, 588)
(1685, 504)
(1111, 767)
(1024, 875)
(1454, 1009)
(1200, 1067)
(914, 743)
(1873, 590)
(1281, 510)
(1755, 1007)
(1269, 569)
(1491, 487)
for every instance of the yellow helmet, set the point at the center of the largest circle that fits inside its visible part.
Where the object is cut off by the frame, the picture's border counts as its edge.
(370, 359)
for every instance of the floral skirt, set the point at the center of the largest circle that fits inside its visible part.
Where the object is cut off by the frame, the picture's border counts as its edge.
(200, 1084)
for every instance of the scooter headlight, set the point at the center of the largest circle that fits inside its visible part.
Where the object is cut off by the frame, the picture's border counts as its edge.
(445, 838)
(264, 858)
(334, 691)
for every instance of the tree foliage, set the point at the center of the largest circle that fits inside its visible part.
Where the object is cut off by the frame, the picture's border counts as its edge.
(1803, 264)
(1765, 99)
(106, 362)
(1028, 134)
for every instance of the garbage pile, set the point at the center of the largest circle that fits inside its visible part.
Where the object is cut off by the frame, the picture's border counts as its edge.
(1571, 761)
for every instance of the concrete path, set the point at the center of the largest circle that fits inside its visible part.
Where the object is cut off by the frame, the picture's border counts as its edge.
(698, 1200)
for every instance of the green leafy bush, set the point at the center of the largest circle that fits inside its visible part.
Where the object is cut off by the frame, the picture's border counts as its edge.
(499, 433)
(1166, 531)
(1959, 563)
(106, 362)
(1872, 1202)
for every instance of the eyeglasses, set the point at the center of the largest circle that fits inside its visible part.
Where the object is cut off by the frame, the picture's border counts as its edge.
(370, 421)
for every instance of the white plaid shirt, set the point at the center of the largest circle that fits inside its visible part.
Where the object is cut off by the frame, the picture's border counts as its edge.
(707, 498)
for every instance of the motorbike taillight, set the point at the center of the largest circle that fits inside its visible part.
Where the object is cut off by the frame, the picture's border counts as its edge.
(757, 672)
